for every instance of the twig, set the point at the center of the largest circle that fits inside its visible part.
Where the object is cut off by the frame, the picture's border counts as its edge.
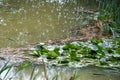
(32, 73)
(45, 72)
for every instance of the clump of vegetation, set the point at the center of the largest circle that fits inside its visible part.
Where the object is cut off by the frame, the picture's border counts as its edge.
(94, 52)
(110, 16)
(6, 67)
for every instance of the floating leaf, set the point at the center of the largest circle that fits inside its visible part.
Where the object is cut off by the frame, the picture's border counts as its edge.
(118, 50)
(51, 55)
(70, 46)
(73, 56)
(56, 50)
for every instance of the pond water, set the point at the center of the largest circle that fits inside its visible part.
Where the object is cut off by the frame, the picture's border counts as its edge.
(65, 73)
(24, 22)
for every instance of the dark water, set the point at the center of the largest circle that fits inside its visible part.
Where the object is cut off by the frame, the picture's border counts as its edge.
(28, 21)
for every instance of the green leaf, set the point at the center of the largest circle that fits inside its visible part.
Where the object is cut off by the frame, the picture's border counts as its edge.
(51, 55)
(118, 50)
(70, 46)
(36, 53)
(96, 41)
(24, 65)
(56, 50)
(40, 50)
(73, 56)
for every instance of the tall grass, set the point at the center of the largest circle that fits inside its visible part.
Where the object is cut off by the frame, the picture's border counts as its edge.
(6, 67)
(110, 16)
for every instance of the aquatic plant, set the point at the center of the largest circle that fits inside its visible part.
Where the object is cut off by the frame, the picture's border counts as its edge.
(103, 53)
(24, 65)
(94, 52)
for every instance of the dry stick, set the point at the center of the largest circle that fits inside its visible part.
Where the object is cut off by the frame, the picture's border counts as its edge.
(45, 72)
(32, 73)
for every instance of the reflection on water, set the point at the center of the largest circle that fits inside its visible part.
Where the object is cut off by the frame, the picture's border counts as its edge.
(27, 21)
(65, 73)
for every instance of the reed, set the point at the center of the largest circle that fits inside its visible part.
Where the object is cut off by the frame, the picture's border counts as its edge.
(110, 15)
(32, 74)
(45, 71)
(5, 67)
